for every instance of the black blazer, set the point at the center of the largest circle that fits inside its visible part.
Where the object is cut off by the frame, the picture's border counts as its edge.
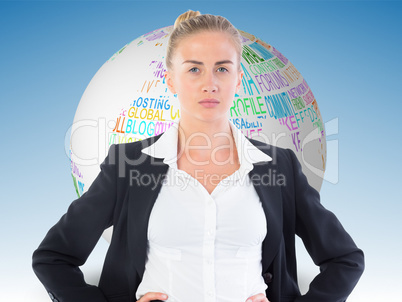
(121, 197)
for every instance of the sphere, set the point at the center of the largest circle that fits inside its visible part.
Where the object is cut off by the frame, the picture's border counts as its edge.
(128, 100)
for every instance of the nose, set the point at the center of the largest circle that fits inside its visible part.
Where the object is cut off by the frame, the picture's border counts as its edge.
(210, 82)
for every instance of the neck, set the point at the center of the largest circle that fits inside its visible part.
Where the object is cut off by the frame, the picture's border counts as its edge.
(200, 139)
(200, 130)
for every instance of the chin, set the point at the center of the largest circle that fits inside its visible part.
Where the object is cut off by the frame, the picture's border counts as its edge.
(211, 118)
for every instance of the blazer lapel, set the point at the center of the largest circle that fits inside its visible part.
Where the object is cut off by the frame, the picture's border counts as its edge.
(271, 198)
(141, 200)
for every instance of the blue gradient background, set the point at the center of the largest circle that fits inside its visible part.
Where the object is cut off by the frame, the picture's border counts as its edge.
(348, 51)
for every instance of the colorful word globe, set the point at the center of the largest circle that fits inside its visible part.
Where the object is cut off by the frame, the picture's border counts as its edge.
(128, 100)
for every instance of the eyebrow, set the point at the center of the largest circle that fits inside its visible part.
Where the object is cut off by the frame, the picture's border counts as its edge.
(200, 63)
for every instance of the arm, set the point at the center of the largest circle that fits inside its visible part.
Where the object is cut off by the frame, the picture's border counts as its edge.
(68, 244)
(329, 245)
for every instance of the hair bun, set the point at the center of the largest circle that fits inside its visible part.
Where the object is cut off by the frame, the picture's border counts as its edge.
(185, 16)
(193, 22)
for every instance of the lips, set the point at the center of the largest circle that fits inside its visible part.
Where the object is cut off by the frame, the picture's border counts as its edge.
(209, 103)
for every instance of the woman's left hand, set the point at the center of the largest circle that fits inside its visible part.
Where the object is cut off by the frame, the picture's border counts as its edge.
(258, 298)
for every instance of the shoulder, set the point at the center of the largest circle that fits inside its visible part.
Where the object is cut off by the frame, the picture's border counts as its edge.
(280, 156)
(126, 155)
(140, 144)
(133, 149)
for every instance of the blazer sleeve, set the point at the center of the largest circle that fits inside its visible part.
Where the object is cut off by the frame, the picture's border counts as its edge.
(340, 261)
(69, 242)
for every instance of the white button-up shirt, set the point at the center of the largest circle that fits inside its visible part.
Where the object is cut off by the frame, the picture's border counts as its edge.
(205, 247)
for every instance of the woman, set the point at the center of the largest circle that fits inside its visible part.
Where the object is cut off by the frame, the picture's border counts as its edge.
(193, 218)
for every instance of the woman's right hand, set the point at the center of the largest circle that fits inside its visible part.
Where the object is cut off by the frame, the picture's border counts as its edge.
(150, 296)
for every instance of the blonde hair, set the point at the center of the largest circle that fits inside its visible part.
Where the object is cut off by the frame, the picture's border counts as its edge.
(192, 22)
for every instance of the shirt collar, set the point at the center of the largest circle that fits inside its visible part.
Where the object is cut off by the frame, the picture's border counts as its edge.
(166, 147)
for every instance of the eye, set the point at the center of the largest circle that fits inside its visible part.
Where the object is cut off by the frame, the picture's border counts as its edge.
(193, 69)
(222, 68)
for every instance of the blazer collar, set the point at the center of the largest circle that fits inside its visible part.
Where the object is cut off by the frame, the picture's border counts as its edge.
(166, 148)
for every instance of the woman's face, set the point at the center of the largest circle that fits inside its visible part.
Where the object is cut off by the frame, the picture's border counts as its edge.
(205, 76)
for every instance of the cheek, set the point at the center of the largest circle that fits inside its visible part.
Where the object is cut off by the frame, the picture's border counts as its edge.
(231, 87)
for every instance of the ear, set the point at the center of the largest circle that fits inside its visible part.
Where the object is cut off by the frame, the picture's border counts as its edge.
(169, 81)
(241, 74)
